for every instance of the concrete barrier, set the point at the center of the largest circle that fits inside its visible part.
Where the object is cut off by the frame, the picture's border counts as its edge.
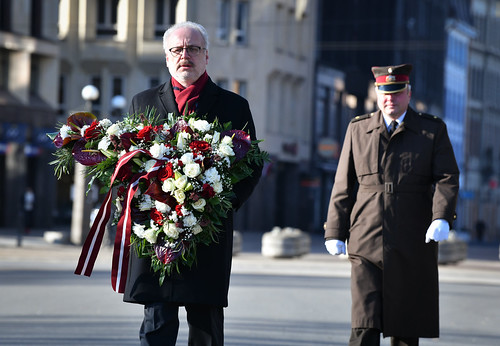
(285, 243)
(237, 242)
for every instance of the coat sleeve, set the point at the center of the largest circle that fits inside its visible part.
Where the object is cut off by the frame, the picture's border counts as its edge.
(343, 193)
(445, 176)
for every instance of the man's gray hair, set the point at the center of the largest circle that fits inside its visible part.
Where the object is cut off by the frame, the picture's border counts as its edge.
(191, 25)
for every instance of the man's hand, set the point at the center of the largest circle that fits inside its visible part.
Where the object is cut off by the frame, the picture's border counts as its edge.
(335, 247)
(437, 231)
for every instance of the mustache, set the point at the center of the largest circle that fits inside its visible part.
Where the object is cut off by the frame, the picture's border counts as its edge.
(185, 62)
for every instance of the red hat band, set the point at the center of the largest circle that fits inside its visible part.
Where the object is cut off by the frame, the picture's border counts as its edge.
(391, 79)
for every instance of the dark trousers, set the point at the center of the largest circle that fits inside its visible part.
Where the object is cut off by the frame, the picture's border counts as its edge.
(371, 337)
(161, 325)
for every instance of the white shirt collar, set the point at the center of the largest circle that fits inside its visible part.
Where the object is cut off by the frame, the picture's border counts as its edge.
(388, 120)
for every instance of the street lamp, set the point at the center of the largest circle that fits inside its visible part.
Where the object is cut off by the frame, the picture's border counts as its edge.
(118, 103)
(82, 204)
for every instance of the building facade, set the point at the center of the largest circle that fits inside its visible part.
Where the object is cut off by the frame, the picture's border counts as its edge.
(262, 50)
(481, 193)
(29, 74)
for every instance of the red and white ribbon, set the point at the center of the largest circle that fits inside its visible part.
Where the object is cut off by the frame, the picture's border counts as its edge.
(93, 241)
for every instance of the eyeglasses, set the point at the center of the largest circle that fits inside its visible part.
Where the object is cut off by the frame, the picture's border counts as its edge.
(191, 50)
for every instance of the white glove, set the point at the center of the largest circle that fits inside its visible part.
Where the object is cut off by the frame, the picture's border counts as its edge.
(438, 230)
(335, 247)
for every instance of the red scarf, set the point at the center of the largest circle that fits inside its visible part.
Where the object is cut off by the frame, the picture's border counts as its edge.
(188, 96)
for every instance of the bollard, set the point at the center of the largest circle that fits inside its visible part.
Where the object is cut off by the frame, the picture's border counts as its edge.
(285, 243)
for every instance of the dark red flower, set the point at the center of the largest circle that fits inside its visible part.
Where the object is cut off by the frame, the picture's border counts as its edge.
(201, 146)
(154, 190)
(93, 131)
(127, 140)
(146, 134)
(156, 216)
(208, 191)
(166, 172)
(178, 209)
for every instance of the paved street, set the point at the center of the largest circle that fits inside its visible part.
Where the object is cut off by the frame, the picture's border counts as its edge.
(301, 301)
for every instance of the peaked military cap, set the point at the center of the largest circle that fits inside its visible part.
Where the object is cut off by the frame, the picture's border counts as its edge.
(392, 79)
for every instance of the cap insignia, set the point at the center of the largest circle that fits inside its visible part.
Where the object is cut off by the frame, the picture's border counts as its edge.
(390, 78)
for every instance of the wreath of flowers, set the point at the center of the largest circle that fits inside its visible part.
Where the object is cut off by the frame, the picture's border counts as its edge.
(181, 171)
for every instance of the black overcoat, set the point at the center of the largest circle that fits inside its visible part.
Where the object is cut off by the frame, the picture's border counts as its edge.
(386, 193)
(207, 282)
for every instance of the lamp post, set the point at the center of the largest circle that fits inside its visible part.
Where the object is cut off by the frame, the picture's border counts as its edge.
(82, 204)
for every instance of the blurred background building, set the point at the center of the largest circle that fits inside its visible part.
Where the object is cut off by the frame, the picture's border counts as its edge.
(304, 66)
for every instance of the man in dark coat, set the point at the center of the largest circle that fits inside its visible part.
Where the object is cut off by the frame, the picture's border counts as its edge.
(393, 199)
(203, 289)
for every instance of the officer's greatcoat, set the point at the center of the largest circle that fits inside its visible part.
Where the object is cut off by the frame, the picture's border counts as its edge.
(387, 191)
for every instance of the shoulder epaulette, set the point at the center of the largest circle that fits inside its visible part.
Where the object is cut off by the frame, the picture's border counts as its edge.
(430, 116)
(361, 117)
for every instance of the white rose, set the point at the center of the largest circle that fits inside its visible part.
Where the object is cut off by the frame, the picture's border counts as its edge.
(199, 204)
(113, 130)
(225, 150)
(181, 182)
(162, 207)
(158, 150)
(192, 170)
(187, 158)
(150, 235)
(168, 185)
(179, 196)
(202, 125)
(171, 230)
(190, 220)
(217, 187)
(197, 229)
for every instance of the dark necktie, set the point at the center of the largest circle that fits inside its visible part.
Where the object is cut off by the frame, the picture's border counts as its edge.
(393, 126)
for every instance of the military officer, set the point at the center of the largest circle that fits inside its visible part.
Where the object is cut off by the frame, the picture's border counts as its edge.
(393, 200)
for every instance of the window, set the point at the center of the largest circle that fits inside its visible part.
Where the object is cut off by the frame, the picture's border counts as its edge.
(4, 69)
(36, 18)
(241, 87)
(224, 20)
(5, 17)
(242, 14)
(165, 15)
(117, 86)
(96, 81)
(107, 13)
(35, 75)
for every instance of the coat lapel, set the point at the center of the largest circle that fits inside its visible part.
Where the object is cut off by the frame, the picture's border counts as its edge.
(167, 99)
